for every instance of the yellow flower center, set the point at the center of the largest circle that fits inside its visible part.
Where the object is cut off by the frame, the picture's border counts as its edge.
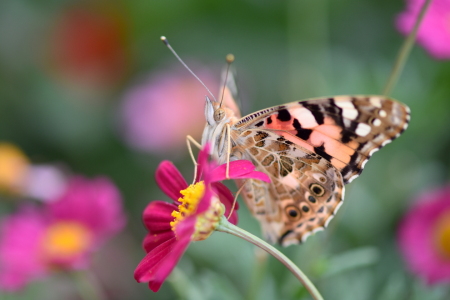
(206, 222)
(13, 168)
(65, 240)
(442, 235)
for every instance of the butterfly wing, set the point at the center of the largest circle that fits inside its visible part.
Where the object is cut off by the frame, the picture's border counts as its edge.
(345, 130)
(230, 91)
(311, 149)
(304, 192)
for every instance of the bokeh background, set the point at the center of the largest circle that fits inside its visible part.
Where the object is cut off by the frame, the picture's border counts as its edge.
(89, 86)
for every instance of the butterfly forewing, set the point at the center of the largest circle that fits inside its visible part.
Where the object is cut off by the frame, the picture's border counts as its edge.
(344, 130)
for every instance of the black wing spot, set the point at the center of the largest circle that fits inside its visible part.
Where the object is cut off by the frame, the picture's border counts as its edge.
(284, 115)
(321, 151)
(312, 199)
(259, 124)
(304, 133)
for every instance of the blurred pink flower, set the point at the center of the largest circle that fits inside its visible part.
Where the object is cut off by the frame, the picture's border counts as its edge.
(158, 113)
(60, 235)
(434, 32)
(45, 182)
(192, 216)
(424, 236)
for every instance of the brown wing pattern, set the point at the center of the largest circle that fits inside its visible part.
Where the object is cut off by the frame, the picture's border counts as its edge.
(305, 191)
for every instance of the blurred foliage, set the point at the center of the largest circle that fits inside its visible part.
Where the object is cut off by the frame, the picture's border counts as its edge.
(285, 51)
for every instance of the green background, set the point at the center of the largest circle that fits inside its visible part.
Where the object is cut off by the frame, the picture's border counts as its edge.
(285, 51)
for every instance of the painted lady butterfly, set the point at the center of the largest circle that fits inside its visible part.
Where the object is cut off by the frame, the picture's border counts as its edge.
(310, 149)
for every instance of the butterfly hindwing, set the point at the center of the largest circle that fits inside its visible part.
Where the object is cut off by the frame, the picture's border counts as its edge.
(304, 193)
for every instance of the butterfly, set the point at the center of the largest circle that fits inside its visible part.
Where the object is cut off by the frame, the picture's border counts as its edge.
(310, 149)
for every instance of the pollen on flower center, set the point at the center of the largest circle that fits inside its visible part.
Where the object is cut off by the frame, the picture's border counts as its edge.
(65, 239)
(442, 235)
(191, 197)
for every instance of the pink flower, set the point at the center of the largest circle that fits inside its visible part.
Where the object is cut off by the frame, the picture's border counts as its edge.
(159, 112)
(194, 214)
(424, 236)
(60, 235)
(434, 32)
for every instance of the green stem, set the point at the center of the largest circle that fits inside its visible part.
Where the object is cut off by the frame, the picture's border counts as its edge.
(404, 51)
(258, 274)
(87, 285)
(227, 227)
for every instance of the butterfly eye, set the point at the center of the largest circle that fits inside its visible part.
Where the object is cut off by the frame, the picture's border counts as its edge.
(219, 114)
(292, 212)
(317, 189)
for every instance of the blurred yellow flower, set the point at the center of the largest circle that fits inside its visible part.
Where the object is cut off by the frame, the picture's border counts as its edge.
(13, 168)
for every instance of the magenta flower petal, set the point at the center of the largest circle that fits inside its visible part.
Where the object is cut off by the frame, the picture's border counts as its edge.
(226, 197)
(158, 215)
(158, 263)
(153, 258)
(434, 31)
(238, 169)
(185, 229)
(170, 180)
(202, 161)
(152, 240)
(417, 236)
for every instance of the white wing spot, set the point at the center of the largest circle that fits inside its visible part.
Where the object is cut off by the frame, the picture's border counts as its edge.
(305, 117)
(364, 163)
(373, 151)
(362, 129)
(328, 221)
(348, 109)
(382, 113)
(376, 122)
(305, 236)
(408, 111)
(386, 142)
(375, 101)
(350, 113)
(337, 207)
(317, 230)
(352, 178)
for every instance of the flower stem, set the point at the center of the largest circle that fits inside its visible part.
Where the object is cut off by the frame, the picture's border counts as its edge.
(404, 51)
(87, 285)
(227, 227)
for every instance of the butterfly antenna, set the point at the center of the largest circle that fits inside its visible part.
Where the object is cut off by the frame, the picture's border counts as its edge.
(230, 59)
(166, 42)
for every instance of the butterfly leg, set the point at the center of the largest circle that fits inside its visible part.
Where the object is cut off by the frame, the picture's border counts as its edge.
(235, 198)
(227, 173)
(189, 140)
